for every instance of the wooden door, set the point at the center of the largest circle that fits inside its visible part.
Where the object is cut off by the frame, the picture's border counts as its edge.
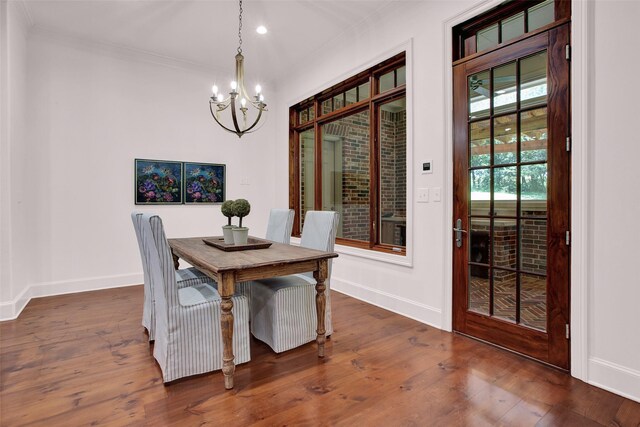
(512, 197)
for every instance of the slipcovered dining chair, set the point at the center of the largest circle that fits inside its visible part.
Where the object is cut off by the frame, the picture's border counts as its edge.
(188, 331)
(283, 309)
(186, 277)
(278, 230)
(280, 225)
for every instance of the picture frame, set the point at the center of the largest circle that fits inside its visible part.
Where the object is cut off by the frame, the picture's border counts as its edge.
(204, 183)
(158, 182)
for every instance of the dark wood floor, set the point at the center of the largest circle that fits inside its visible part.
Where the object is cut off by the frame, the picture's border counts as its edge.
(83, 359)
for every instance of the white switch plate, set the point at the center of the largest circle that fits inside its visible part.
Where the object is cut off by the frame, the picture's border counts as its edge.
(423, 195)
(436, 194)
(244, 181)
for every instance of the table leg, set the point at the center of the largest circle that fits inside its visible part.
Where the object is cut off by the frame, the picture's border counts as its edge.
(176, 260)
(226, 289)
(321, 304)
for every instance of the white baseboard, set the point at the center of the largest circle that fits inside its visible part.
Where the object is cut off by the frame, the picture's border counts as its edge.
(614, 378)
(421, 312)
(12, 309)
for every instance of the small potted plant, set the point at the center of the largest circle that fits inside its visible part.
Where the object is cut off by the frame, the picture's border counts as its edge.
(227, 230)
(241, 208)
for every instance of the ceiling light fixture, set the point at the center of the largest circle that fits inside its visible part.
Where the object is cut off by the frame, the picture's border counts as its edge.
(217, 103)
(261, 29)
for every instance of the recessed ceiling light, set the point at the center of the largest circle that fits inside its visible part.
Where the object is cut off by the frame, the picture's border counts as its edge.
(261, 29)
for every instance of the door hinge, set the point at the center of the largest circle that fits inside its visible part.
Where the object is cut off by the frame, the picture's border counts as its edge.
(568, 143)
(567, 330)
(568, 238)
(567, 52)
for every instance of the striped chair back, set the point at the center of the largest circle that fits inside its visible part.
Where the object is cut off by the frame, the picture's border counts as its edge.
(280, 225)
(148, 315)
(319, 232)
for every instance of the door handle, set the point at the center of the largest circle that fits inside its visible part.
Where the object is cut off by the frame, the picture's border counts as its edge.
(458, 229)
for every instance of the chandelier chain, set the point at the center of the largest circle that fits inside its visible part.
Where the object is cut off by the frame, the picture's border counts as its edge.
(240, 29)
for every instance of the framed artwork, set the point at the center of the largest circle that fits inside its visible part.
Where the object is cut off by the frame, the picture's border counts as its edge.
(204, 183)
(158, 182)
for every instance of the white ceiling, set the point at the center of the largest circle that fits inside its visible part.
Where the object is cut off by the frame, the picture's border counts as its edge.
(205, 32)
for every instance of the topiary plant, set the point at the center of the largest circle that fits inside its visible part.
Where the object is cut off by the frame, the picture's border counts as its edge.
(227, 210)
(241, 208)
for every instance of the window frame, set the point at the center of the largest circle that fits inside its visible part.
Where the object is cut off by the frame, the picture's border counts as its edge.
(370, 104)
(464, 34)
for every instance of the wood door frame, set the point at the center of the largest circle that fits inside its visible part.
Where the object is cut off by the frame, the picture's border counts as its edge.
(581, 183)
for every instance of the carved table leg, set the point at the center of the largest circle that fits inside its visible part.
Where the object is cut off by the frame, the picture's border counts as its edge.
(176, 260)
(321, 303)
(226, 288)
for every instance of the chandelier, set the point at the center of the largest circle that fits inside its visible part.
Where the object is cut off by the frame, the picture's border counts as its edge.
(239, 100)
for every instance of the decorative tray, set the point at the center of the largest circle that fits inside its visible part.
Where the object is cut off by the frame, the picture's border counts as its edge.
(252, 243)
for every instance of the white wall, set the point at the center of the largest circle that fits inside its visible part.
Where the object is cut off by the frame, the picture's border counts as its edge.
(614, 292)
(92, 110)
(13, 70)
(420, 291)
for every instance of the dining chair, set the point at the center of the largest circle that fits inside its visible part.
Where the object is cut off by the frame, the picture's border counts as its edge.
(186, 277)
(283, 309)
(278, 230)
(188, 332)
(280, 225)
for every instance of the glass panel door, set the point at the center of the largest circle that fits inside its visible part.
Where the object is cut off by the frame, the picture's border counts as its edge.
(511, 197)
(508, 174)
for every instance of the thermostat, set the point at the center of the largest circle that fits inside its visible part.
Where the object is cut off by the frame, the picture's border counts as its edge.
(427, 166)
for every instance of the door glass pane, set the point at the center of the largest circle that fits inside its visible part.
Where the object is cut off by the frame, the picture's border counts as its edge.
(505, 243)
(312, 113)
(307, 171)
(533, 135)
(533, 301)
(386, 82)
(401, 75)
(541, 15)
(513, 27)
(345, 173)
(533, 80)
(480, 182)
(338, 101)
(533, 190)
(505, 138)
(533, 245)
(487, 38)
(504, 88)
(479, 290)
(363, 91)
(504, 294)
(392, 119)
(480, 134)
(505, 190)
(479, 103)
(479, 247)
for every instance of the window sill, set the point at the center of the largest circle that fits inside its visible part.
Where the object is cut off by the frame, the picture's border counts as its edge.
(404, 260)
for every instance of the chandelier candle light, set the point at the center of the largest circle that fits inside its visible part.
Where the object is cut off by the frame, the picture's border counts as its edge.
(238, 95)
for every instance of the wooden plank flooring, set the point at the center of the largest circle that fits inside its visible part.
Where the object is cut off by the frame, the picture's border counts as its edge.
(84, 359)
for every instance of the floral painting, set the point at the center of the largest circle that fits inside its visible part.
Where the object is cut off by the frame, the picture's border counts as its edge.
(158, 182)
(204, 183)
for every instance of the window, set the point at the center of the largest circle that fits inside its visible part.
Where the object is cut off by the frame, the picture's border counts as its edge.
(508, 22)
(348, 153)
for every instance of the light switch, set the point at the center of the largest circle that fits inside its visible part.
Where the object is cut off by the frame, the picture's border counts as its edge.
(423, 195)
(436, 194)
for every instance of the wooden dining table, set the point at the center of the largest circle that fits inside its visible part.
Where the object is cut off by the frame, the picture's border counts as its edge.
(229, 268)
